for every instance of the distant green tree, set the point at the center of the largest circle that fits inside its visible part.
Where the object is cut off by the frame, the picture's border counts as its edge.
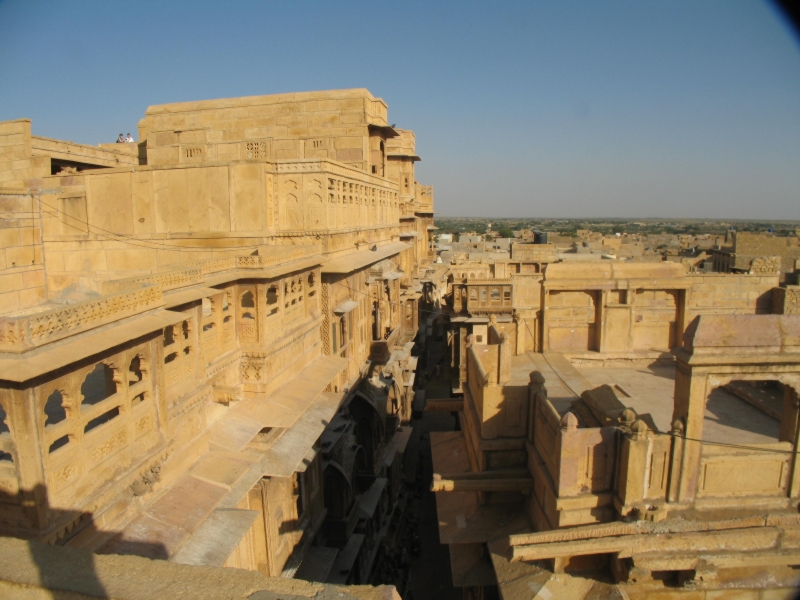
(505, 232)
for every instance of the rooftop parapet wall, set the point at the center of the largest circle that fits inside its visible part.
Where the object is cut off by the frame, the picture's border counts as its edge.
(128, 297)
(334, 125)
(18, 166)
(769, 335)
(402, 146)
(34, 570)
(786, 301)
(534, 252)
(620, 274)
(102, 156)
(18, 334)
(728, 293)
(124, 221)
(195, 273)
(22, 281)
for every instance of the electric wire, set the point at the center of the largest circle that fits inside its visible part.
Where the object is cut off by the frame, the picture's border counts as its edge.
(157, 245)
(170, 247)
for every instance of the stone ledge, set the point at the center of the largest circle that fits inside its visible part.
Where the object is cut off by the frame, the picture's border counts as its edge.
(34, 570)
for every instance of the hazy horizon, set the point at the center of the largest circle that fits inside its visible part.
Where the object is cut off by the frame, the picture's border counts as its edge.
(687, 109)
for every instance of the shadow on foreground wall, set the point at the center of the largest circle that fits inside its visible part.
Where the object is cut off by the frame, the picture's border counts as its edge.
(28, 515)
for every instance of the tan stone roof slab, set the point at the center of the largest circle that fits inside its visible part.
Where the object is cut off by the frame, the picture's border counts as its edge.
(345, 307)
(317, 563)
(369, 500)
(287, 454)
(271, 273)
(233, 431)
(187, 503)
(779, 333)
(26, 567)
(216, 538)
(186, 295)
(362, 258)
(20, 368)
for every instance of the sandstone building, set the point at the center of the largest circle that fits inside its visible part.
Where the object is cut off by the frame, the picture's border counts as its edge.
(627, 429)
(208, 352)
(205, 338)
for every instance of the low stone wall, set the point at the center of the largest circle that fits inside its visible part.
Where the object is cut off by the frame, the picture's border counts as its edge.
(33, 571)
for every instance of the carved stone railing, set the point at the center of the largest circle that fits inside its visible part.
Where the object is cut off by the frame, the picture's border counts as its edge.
(334, 168)
(128, 297)
(18, 334)
(193, 273)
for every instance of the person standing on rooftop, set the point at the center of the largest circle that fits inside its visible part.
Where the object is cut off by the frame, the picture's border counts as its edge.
(121, 139)
(129, 139)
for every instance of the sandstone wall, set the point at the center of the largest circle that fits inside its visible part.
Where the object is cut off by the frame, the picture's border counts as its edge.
(18, 166)
(725, 293)
(22, 281)
(322, 125)
(124, 221)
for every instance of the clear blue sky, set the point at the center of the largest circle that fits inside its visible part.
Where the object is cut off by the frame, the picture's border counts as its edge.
(535, 108)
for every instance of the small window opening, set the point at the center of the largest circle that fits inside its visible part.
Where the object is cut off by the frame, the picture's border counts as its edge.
(169, 336)
(207, 307)
(170, 357)
(59, 443)
(185, 329)
(137, 399)
(4, 430)
(135, 370)
(53, 409)
(248, 316)
(104, 418)
(248, 300)
(208, 327)
(225, 303)
(98, 385)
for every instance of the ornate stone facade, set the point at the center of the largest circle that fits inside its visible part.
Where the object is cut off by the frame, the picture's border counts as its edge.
(188, 324)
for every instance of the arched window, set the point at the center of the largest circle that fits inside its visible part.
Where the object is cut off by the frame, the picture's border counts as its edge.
(98, 385)
(473, 295)
(54, 409)
(4, 430)
(272, 299)
(104, 418)
(135, 370)
(207, 307)
(185, 329)
(483, 295)
(247, 300)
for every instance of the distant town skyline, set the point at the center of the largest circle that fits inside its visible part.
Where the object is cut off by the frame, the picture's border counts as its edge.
(674, 110)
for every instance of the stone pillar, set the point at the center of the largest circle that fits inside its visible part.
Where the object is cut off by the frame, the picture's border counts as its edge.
(790, 432)
(23, 423)
(504, 359)
(691, 391)
(521, 325)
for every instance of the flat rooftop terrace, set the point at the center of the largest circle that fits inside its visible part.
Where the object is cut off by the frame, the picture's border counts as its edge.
(649, 391)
